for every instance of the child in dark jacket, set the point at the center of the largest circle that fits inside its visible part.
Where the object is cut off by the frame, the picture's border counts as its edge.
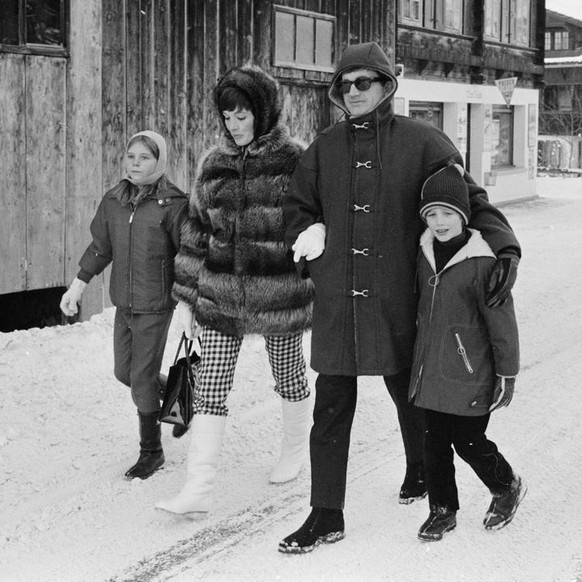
(466, 358)
(137, 229)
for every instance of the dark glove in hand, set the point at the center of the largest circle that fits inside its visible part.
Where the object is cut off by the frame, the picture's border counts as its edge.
(502, 280)
(503, 393)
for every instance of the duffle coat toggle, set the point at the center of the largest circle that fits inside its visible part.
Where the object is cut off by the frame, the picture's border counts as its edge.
(367, 164)
(361, 126)
(365, 208)
(365, 252)
(362, 293)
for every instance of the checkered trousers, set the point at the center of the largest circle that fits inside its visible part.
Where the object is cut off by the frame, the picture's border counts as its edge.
(219, 353)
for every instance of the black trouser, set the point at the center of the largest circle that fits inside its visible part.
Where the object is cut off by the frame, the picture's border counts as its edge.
(410, 417)
(467, 435)
(138, 349)
(333, 414)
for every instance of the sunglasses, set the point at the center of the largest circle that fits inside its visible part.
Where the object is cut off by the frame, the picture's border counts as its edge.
(361, 83)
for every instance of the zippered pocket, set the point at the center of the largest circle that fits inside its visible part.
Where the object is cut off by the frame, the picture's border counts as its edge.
(463, 353)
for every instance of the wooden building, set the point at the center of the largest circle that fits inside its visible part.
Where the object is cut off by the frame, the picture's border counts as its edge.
(475, 69)
(78, 77)
(560, 140)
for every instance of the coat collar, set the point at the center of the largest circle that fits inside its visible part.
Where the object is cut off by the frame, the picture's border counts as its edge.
(263, 146)
(476, 247)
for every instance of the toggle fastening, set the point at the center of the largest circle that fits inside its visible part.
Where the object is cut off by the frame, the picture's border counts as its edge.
(361, 252)
(365, 208)
(362, 126)
(367, 164)
(363, 293)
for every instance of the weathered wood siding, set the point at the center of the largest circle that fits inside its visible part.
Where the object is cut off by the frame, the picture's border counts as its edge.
(12, 174)
(134, 65)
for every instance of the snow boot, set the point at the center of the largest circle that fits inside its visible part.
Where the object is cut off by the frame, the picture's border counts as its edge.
(196, 494)
(323, 526)
(503, 506)
(296, 424)
(439, 522)
(414, 486)
(151, 456)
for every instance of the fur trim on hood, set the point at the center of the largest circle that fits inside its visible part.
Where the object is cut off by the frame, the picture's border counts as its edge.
(262, 91)
(367, 55)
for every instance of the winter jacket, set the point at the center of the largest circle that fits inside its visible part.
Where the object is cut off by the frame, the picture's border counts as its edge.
(461, 344)
(141, 242)
(234, 268)
(362, 178)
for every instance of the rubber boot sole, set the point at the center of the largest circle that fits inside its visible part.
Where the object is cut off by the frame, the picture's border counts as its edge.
(329, 538)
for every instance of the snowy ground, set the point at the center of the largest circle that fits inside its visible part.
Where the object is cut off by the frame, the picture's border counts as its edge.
(68, 431)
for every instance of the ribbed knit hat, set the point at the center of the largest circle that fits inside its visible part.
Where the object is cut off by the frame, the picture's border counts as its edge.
(447, 187)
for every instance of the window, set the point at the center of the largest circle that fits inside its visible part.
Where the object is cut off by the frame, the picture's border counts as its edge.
(35, 26)
(508, 21)
(452, 15)
(304, 40)
(446, 15)
(500, 136)
(411, 11)
(427, 111)
(557, 40)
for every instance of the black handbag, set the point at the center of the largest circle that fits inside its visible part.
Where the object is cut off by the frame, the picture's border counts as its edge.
(178, 404)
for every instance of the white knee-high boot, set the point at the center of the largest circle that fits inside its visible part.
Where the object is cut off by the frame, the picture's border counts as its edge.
(196, 494)
(296, 426)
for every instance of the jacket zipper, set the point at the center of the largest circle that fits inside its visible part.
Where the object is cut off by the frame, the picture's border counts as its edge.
(463, 353)
(130, 257)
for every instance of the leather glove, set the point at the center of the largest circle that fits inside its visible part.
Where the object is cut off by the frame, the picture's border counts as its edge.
(186, 319)
(310, 243)
(502, 280)
(72, 296)
(503, 392)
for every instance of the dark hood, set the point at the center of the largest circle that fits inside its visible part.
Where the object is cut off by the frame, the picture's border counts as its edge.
(262, 91)
(367, 55)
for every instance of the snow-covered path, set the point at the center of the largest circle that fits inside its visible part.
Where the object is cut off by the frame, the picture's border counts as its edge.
(68, 431)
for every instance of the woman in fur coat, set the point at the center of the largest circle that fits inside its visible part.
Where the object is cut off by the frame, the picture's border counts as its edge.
(235, 276)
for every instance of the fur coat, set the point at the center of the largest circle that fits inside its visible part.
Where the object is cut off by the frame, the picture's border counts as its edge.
(233, 267)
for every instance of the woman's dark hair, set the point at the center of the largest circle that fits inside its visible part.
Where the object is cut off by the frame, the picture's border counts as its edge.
(148, 142)
(232, 98)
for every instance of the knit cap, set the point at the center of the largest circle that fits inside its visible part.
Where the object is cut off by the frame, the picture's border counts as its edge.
(447, 187)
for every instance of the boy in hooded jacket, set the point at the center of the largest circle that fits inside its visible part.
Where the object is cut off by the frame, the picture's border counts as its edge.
(465, 360)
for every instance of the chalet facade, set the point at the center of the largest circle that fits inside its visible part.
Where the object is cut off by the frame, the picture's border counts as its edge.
(474, 68)
(78, 77)
(560, 140)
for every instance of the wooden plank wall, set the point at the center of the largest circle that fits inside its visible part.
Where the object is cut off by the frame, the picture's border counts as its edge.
(84, 172)
(45, 160)
(12, 174)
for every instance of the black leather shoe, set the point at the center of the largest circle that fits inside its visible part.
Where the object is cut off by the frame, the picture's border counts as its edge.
(439, 522)
(504, 506)
(323, 526)
(414, 486)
